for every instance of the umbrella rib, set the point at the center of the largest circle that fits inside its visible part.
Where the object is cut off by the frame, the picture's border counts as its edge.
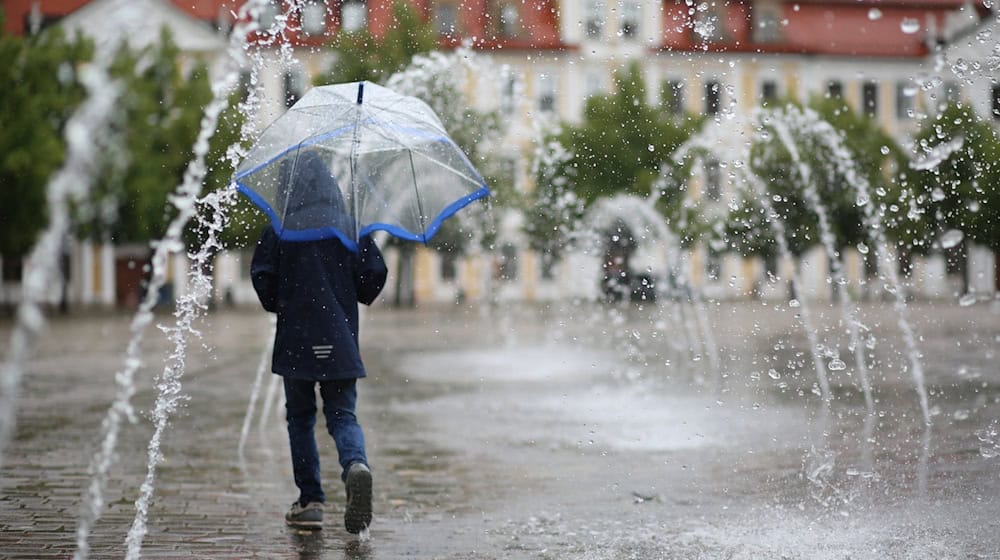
(449, 168)
(416, 192)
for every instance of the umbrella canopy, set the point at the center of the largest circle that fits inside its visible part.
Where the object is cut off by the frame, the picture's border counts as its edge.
(350, 159)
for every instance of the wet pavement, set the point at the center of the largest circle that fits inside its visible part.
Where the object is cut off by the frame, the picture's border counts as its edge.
(542, 432)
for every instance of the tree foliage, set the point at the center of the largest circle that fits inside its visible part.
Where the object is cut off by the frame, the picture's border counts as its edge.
(789, 174)
(954, 179)
(39, 95)
(623, 141)
(360, 55)
(163, 111)
(554, 209)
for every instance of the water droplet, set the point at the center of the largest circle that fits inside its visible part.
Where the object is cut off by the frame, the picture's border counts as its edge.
(909, 25)
(837, 364)
(650, 147)
(793, 303)
(885, 150)
(874, 14)
(967, 300)
(937, 194)
(773, 374)
(951, 238)
(863, 249)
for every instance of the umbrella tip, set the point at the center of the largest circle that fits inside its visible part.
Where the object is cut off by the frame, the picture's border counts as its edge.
(361, 91)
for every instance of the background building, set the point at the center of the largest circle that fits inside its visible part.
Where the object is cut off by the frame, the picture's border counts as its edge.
(894, 61)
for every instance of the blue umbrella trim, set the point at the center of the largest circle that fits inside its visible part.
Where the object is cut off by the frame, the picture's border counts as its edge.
(328, 232)
(434, 226)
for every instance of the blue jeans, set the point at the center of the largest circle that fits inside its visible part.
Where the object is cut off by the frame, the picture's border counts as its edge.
(339, 399)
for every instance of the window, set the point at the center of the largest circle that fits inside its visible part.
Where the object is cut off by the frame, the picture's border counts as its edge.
(709, 22)
(353, 16)
(768, 93)
(245, 85)
(869, 98)
(672, 97)
(246, 256)
(293, 87)
(952, 92)
(13, 268)
(508, 92)
(449, 265)
(314, 18)
(548, 268)
(546, 93)
(268, 15)
(904, 100)
(594, 84)
(507, 264)
(713, 98)
(594, 18)
(508, 169)
(713, 264)
(446, 18)
(713, 180)
(834, 89)
(631, 12)
(995, 102)
(766, 25)
(509, 21)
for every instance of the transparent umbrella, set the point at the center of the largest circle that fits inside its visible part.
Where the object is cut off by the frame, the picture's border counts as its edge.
(350, 159)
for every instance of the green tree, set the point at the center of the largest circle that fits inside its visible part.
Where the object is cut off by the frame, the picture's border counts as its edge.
(622, 142)
(957, 173)
(954, 183)
(162, 110)
(554, 210)
(360, 55)
(40, 93)
(867, 150)
(243, 221)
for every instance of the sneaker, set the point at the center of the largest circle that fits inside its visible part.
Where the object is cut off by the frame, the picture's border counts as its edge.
(309, 516)
(358, 514)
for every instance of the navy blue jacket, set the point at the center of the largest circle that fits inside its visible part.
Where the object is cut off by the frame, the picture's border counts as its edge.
(315, 287)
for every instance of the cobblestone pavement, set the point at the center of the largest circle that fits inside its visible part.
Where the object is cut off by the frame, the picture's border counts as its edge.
(541, 432)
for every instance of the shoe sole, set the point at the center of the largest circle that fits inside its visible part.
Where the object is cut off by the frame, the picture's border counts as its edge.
(305, 524)
(359, 501)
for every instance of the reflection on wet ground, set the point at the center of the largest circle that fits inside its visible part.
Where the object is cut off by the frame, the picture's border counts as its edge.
(548, 432)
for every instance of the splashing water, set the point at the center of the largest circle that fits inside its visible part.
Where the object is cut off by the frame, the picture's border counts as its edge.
(87, 133)
(834, 142)
(848, 309)
(716, 141)
(265, 357)
(935, 156)
(189, 308)
(805, 314)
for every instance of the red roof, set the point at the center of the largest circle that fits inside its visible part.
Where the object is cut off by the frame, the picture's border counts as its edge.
(828, 27)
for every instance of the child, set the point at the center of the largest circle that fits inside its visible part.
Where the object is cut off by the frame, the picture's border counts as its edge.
(314, 286)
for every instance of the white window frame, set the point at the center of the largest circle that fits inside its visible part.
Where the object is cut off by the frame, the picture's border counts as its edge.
(353, 16)
(313, 18)
(546, 91)
(631, 19)
(594, 18)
